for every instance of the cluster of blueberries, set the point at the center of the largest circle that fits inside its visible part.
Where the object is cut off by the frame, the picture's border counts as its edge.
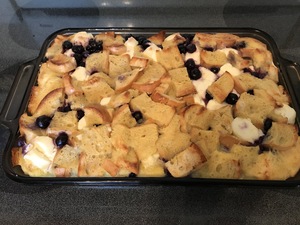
(81, 53)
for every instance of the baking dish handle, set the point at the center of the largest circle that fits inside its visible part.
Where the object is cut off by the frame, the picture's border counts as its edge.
(293, 84)
(15, 103)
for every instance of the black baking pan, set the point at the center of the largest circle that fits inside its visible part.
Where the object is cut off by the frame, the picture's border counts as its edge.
(17, 100)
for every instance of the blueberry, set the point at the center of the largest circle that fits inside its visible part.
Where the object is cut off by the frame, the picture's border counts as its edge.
(190, 48)
(78, 49)
(94, 46)
(45, 59)
(138, 116)
(247, 70)
(80, 114)
(250, 92)
(210, 49)
(188, 38)
(92, 42)
(65, 108)
(61, 140)
(132, 175)
(99, 46)
(43, 121)
(240, 45)
(262, 149)
(21, 141)
(78, 57)
(90, 49)
(194, 74)
(81, 63)
(145, 43)
(181, 48)
(85, 54)
(208, 97)
(267, 124)
(140, 39)
(215, 69)
(232, 98)
(259, 141)
(190, 64)
(67, 45)
(257, 74)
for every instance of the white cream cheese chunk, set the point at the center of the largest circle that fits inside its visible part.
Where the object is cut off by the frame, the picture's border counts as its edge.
(151, 51)
(152, 160)
(204, 82)
(227, 50)
(80, 74)
(69, 52)
(36, 158)
(104, 101)
(130, 44)
(173, 36)
(82, 38)
(245, 130)
(198, 100)
(81, 123)
(41, 152)
(288, 112)
(227, 67)
(45, 145)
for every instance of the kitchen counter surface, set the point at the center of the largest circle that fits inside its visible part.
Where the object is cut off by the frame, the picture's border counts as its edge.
(24, 25)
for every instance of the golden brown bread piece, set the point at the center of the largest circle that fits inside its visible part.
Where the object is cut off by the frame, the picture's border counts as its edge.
(125, 80)
(181, 83)
(206, 140)
(172, 40)
(56, 97)
(170, 58)
(143, 140)
(94, 115)
(91, 89)
(95, 147)
(220, 89)
(63, 122)
(166, 146)
(152, 110)
(123, 116)
(219, 120)
(138, 62)
(158, 38)
(212, 59)
(61, 63)
(160, 95)
(253, 107)
(186, 161)
(118, 65)
(56, 46)
(150, 78)
(98, 62)
(281, 136)
(218, 40)
(221, 165)
(66, 162)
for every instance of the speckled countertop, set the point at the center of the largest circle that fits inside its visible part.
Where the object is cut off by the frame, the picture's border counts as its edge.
(24, 25)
